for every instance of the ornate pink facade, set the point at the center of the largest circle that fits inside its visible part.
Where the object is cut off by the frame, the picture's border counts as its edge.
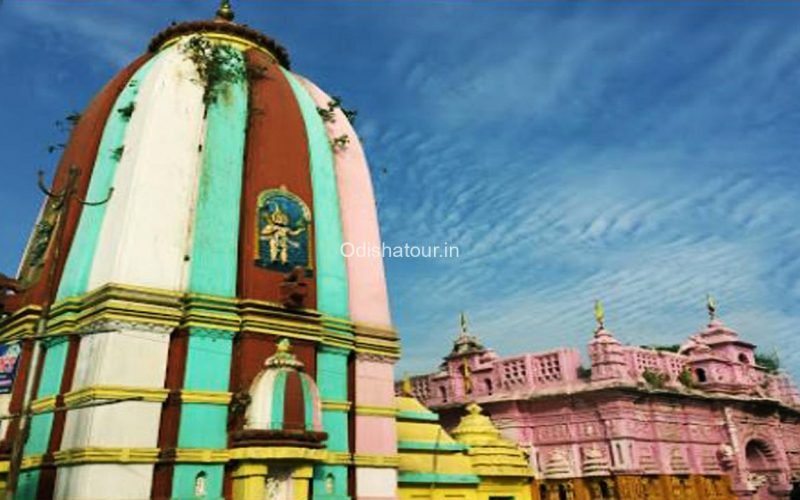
(708, 409)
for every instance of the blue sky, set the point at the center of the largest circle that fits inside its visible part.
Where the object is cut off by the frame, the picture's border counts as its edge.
(642, 153)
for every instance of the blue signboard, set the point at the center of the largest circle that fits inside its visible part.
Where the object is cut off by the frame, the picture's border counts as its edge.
(9, 354)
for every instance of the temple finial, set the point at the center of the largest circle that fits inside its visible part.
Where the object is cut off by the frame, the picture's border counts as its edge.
(711, 305)
(283, 356)
(463, 323)
(599, 314)
(408, 388)
(225, 12)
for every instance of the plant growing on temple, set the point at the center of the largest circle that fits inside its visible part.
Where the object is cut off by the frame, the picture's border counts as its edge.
(64, 125)
(52, 148)
(685, 378)
(69, 122)
(127, 111)
(328, 114)
(218, 66)
(664, 348)
(117, 152)
(584, 373)
(340, 142)
(769, 362)
(655, 379)
(255, 71)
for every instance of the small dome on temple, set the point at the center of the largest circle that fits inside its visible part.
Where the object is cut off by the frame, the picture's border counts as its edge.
(283, 380)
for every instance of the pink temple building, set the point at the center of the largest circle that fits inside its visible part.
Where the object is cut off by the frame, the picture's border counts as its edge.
(708, 411)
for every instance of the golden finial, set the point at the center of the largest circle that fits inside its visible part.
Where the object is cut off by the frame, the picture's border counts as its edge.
(474, 409)
(711, 305)
(283, 356)
(599, 314)
(224, 11)
(463, 323)
(408, 389)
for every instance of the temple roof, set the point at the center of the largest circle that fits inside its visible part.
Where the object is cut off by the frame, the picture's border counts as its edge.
(223, 25)
(490, 453)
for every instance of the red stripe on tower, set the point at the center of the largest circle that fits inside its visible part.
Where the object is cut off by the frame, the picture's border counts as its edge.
(276, 156)
(80, 152)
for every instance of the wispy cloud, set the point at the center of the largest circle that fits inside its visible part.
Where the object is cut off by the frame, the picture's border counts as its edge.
(644, 154)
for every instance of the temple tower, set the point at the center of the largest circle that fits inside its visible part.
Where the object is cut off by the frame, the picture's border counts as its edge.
(145, 316)
(605, 351)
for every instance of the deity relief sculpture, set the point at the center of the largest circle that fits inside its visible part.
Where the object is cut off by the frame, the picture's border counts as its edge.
(280, 235)
(283, 240)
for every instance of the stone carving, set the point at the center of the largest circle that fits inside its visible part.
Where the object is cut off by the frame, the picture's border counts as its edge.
(558, 464)
(594, 461)
(726, 456)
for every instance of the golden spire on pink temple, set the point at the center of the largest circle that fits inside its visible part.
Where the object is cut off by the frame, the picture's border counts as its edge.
(464, 323)
(599, 314)
(711, 305)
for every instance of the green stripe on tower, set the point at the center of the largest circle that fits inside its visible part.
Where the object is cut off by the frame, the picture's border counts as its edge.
(331, 272)
(216, 226)
(213, 271)
(308, 404)
(278, 393)
(75, 278)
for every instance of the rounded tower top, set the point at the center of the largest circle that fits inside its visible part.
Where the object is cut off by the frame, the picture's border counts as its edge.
(222, 27)
(232, 177)
(273, 407)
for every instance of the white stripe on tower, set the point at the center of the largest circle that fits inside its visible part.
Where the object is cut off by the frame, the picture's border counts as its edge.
(144, 239)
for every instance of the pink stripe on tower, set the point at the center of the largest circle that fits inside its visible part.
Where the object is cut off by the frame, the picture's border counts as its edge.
(369, 300)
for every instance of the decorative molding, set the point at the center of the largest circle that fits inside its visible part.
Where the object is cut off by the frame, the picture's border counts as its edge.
(376, 411)
(369, 460)
(32, 461)
(206, 397)
(211, 333)
(75, 456)
(43, 405)
(375, 357)
(111, 392)
(279, 453)
(148, 308)
(338, 458)
(114, 307)
(115, 325)
(368, 330)
(201, 455)
(20, 324)
(333, 405)
(335, 350)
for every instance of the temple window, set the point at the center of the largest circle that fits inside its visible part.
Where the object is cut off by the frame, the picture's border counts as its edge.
(443, 393)
(488, 384)
(200, 485)
(701, 375)
(743, 358)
